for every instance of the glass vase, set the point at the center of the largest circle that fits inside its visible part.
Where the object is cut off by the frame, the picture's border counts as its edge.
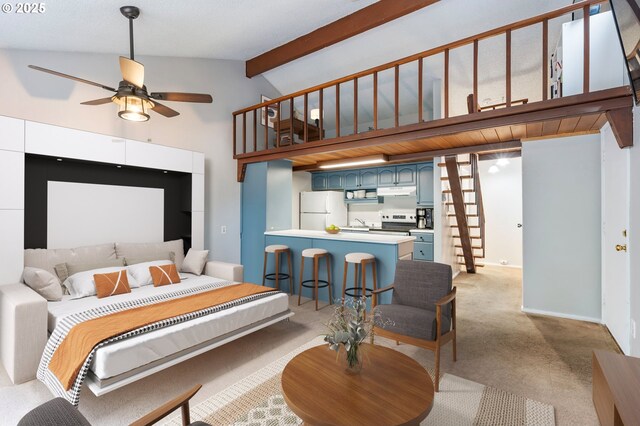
(352, 359)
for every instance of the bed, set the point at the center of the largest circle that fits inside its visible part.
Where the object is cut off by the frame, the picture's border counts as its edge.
(117, 363)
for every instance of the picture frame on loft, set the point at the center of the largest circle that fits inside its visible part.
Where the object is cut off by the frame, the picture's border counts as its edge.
(269, 114)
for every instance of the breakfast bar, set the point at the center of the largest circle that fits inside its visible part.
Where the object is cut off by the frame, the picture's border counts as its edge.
(386, 248)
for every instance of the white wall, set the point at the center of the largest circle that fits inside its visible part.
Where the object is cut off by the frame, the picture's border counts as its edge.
(634, 232)
(370, 213)
(561, 214)
(207, 128)
(301, 182)
(502, 200)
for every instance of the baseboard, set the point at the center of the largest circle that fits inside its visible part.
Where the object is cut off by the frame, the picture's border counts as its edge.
(560, 315)
(455, 274)
(501, 265)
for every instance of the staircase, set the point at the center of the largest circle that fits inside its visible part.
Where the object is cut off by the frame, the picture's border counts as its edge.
(463, 207)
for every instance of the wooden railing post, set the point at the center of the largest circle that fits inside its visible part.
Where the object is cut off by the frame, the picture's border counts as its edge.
(508, 70)
(545, 59)
(244, 132)
(396, 99)
(305, 115)
(266, 126)
(420, 89)
(255, 130)
(291, 120)
(235, 130)
(585, 78)
(337, 110)
(375, 101)
(446, 83)
(355, 106)
(277, 127)
(321, 114)
(475, 74)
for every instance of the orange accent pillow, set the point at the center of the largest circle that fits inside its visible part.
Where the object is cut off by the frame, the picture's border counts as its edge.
(111, 284)
(164, 274)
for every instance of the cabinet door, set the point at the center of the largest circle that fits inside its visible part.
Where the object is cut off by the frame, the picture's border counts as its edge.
(425, 184)
(386, 176)
(406, 175)
(368, 178)
(351, 179)
(423, 251)
(319, 181)
(335, 180)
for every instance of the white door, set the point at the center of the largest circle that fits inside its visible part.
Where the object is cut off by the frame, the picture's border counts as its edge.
(616, 292)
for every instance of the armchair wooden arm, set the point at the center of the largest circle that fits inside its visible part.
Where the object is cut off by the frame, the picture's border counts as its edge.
(375, 294)
(163, 411)
(449, 298)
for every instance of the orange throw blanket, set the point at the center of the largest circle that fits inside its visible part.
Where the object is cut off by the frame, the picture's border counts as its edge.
(82, 338)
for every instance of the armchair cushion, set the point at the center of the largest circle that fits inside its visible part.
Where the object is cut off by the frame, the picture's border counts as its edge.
(411, 321)
(422, 284)
(58, 412)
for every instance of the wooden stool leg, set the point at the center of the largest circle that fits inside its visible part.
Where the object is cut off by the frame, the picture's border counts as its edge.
(355, 278)
(327, 259)
(264, 269)
(289, 261)
(375, 274)
(363, 272)
(344, 281)
(315, 277)
(436, 380)
(278, 269)
(301, 275)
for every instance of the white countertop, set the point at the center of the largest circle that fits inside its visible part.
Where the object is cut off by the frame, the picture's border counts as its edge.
(359, 237)
(424, 231)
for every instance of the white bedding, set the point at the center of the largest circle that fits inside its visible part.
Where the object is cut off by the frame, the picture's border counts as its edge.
(122, 356)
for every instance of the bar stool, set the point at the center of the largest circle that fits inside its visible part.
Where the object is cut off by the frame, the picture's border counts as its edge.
(316, 254)
(362, 259)
(278, 250)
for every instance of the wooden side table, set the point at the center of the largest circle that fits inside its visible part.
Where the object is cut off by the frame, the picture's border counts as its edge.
(391, 389)
(616, 388)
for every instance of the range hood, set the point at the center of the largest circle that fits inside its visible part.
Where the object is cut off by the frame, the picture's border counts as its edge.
(397, 191)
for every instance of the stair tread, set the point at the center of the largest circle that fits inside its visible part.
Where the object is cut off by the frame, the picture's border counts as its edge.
(475, 256)
(473, 237)
(460, 163)
(468, 204)
(473, 247)
(477, 265)
(448, 191)
(468, 215)
(461, 177)
(468, 226)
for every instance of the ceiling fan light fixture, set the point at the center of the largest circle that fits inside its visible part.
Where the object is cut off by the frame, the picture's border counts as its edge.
(133, 108)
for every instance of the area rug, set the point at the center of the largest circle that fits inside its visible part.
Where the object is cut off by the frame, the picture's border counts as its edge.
(257, 400)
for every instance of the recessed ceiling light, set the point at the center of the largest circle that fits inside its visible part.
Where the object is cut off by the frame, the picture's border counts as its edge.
(502, 161)
(494, 169)
(351, 162)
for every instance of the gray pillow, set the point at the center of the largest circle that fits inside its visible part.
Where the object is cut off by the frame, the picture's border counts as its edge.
(195, 261)
(65, 270)
(135, 260)
(144, 250)
(43, 282)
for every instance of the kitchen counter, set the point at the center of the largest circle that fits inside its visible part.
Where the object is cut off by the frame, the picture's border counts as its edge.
(357, 237)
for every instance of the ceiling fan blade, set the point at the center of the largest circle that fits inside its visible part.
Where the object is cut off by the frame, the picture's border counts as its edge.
(132, 71)
(97, 101)
(182, 97)
(165, 110)
(81, 80)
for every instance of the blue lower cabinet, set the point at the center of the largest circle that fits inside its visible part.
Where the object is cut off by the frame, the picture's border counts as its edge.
(423, 251)
(386, 259)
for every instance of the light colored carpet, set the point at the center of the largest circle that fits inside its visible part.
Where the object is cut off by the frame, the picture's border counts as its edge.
(257, 401)
(540, 358)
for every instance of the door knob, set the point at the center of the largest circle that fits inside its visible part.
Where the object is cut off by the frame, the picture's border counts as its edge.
(519, 225)
(621, 247)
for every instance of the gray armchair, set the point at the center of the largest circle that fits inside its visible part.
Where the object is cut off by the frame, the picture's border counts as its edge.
(422, 310)
(59, 412)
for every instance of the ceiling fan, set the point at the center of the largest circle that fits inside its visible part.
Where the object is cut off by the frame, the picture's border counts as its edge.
(132, 97)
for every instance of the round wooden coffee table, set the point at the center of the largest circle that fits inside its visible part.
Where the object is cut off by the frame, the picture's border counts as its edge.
(391, 389)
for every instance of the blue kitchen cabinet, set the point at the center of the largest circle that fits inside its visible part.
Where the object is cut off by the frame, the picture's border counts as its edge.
(423, 246)
(404, 175)
(425, 184)
(319, 181)
(335, 180)
(361, 179)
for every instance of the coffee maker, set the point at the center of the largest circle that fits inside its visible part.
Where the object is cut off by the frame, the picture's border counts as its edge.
(424, 218)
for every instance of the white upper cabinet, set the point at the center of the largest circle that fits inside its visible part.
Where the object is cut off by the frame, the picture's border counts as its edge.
(11, 180)
(12, 134)
(197, 192)
(142, 154)
(55, 141)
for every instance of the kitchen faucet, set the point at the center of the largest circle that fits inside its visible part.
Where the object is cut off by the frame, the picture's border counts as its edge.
(362, 222)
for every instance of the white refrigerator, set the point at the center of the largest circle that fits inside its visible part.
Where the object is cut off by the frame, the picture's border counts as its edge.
(321, 209)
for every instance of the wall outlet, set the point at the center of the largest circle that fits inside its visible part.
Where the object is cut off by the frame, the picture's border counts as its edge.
(504, 261)
(633, 328)
(223, 229)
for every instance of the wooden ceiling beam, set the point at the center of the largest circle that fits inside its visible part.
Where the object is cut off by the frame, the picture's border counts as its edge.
(369, 17)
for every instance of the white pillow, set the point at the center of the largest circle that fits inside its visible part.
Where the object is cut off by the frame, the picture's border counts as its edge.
(43, 282)
(194, 261)
(82, 285)
(141, 273)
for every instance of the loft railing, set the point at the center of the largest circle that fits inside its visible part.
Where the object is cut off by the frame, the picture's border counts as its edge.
(255, 133)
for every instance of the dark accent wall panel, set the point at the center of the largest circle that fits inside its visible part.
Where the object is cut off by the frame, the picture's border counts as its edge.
(41, 169)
